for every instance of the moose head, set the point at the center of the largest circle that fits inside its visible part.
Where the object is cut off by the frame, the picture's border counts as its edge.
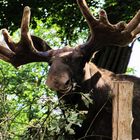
(68, 65)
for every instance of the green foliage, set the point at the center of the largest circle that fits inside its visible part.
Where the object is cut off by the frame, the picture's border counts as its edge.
(20, 91)
(53, 36)
(119, 10)
(29, 110)
(65, 14)
(130, 71)
(50, 34)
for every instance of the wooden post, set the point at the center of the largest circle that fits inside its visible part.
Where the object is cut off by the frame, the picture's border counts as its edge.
(122, 110)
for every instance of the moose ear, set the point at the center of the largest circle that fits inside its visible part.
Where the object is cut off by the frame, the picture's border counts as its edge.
(40, 44)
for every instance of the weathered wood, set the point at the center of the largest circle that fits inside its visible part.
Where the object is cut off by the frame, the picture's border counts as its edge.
(113, 58)
(122, 110)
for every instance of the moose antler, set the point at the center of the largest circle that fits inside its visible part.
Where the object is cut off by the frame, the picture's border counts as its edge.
(28, 49)
(103, 33)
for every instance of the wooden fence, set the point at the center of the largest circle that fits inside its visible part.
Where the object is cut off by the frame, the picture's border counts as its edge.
(122, 110)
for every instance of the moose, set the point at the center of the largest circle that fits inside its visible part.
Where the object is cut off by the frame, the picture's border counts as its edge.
(71, 70)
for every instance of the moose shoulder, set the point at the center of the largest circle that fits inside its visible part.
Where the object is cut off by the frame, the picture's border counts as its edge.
(71, 70)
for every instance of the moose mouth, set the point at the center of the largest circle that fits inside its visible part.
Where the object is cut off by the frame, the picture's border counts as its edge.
(67, 89)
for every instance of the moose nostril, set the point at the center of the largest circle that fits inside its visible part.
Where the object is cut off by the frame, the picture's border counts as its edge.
(67, 82)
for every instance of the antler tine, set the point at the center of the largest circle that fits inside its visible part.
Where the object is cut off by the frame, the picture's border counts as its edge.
(8, 39)
(103, 17)
(88, 15)
(136, 30)
(25, 21)
(5, 51)
(133, 23)
(25, 35)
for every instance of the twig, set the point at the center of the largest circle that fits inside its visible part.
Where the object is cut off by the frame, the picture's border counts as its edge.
(96, 117)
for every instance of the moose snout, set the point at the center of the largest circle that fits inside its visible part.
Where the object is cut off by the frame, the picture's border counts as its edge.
(61, 83)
